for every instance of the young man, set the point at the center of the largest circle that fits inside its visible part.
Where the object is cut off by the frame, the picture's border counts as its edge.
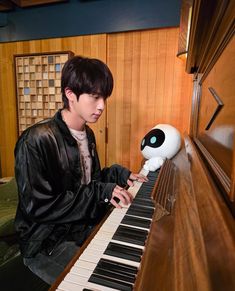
(63, 193)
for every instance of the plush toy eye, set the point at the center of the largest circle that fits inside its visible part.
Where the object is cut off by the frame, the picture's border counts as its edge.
(155, 138)
(161, 141)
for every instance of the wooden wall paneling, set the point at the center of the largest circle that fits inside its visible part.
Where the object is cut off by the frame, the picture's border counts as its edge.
(114, 118)
(151, 87)
(93, 46)
(8, 124)
(98, 49)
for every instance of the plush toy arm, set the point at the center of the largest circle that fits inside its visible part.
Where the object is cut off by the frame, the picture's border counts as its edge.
(154, 163)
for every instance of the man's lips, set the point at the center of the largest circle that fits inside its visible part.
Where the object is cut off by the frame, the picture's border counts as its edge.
(96, 115)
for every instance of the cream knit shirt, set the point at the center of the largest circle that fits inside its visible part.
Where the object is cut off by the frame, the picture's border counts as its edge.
(85, 158)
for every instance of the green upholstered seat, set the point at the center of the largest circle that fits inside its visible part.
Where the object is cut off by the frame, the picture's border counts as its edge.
(8, 203)
(14, 276)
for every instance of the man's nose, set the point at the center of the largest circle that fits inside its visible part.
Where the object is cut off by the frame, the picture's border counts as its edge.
(101, 104)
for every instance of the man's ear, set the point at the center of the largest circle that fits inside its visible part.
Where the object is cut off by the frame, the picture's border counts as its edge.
(69, 94)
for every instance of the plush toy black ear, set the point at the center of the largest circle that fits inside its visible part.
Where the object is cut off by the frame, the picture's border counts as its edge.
(154, 139)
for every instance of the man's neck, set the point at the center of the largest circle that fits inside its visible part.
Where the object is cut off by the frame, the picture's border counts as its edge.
(72, 121)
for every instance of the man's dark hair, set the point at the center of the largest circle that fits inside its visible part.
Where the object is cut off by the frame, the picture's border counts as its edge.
(86, 75)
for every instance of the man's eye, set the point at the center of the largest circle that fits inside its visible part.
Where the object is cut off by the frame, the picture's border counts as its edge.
(95, 96)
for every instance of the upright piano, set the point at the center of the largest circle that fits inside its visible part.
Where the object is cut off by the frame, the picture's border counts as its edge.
(186, 241)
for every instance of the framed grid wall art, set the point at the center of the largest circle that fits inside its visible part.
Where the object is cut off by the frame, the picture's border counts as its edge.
(38, 88)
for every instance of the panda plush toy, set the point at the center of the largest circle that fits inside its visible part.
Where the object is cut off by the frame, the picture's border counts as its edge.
(161, 142)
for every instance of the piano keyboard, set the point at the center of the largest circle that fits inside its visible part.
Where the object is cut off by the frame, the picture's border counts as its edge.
(112, 259)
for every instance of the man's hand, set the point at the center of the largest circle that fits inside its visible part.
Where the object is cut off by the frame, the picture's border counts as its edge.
(136, 177)
(122, 195)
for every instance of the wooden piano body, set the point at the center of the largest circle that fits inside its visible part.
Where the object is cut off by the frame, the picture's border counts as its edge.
(193, 248)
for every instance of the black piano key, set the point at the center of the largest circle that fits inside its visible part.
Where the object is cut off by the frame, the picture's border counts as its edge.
(143, 202)
(125, 248)
(131, 230)
(123, 255)
(147, 189)
(112, 275)
(144, 195)
(133, 238)
(147, 210)
(145, 192)
(153, 175)
(139, 212)
(131, 235)
(129, 239)
(125, 252)
(108, 282)
(136, 221)
(117, 267)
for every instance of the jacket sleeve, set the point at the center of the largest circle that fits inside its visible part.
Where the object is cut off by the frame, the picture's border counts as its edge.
(115, 174)
(43, 202)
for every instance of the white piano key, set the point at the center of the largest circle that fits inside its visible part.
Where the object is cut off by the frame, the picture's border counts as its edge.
(76, 279)
(98, 242)
(96, 245)
(109, 229)
(85, 264)
(90, 258)
(83, 282)
(81, 271)
(68, 286)
(93, 252)
(116, 213)
(91, 285)
(106, 235)
(111, 223)
(120, 260)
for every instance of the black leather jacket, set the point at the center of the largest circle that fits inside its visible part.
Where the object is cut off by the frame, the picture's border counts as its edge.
(53, 205)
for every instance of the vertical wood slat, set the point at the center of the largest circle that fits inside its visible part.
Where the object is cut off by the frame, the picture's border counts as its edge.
(93, 46)
(151, 87)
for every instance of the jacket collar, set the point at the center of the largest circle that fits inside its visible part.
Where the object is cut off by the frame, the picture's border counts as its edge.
(64, 128)
(66, 132)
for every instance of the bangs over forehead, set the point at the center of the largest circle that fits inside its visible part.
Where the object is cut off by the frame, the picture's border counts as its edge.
(84, 75)
(96, 79)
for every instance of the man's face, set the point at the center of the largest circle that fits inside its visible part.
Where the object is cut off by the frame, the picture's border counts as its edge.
(89, 107)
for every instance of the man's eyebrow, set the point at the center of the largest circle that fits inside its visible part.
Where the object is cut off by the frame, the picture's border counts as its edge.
(96, 93)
